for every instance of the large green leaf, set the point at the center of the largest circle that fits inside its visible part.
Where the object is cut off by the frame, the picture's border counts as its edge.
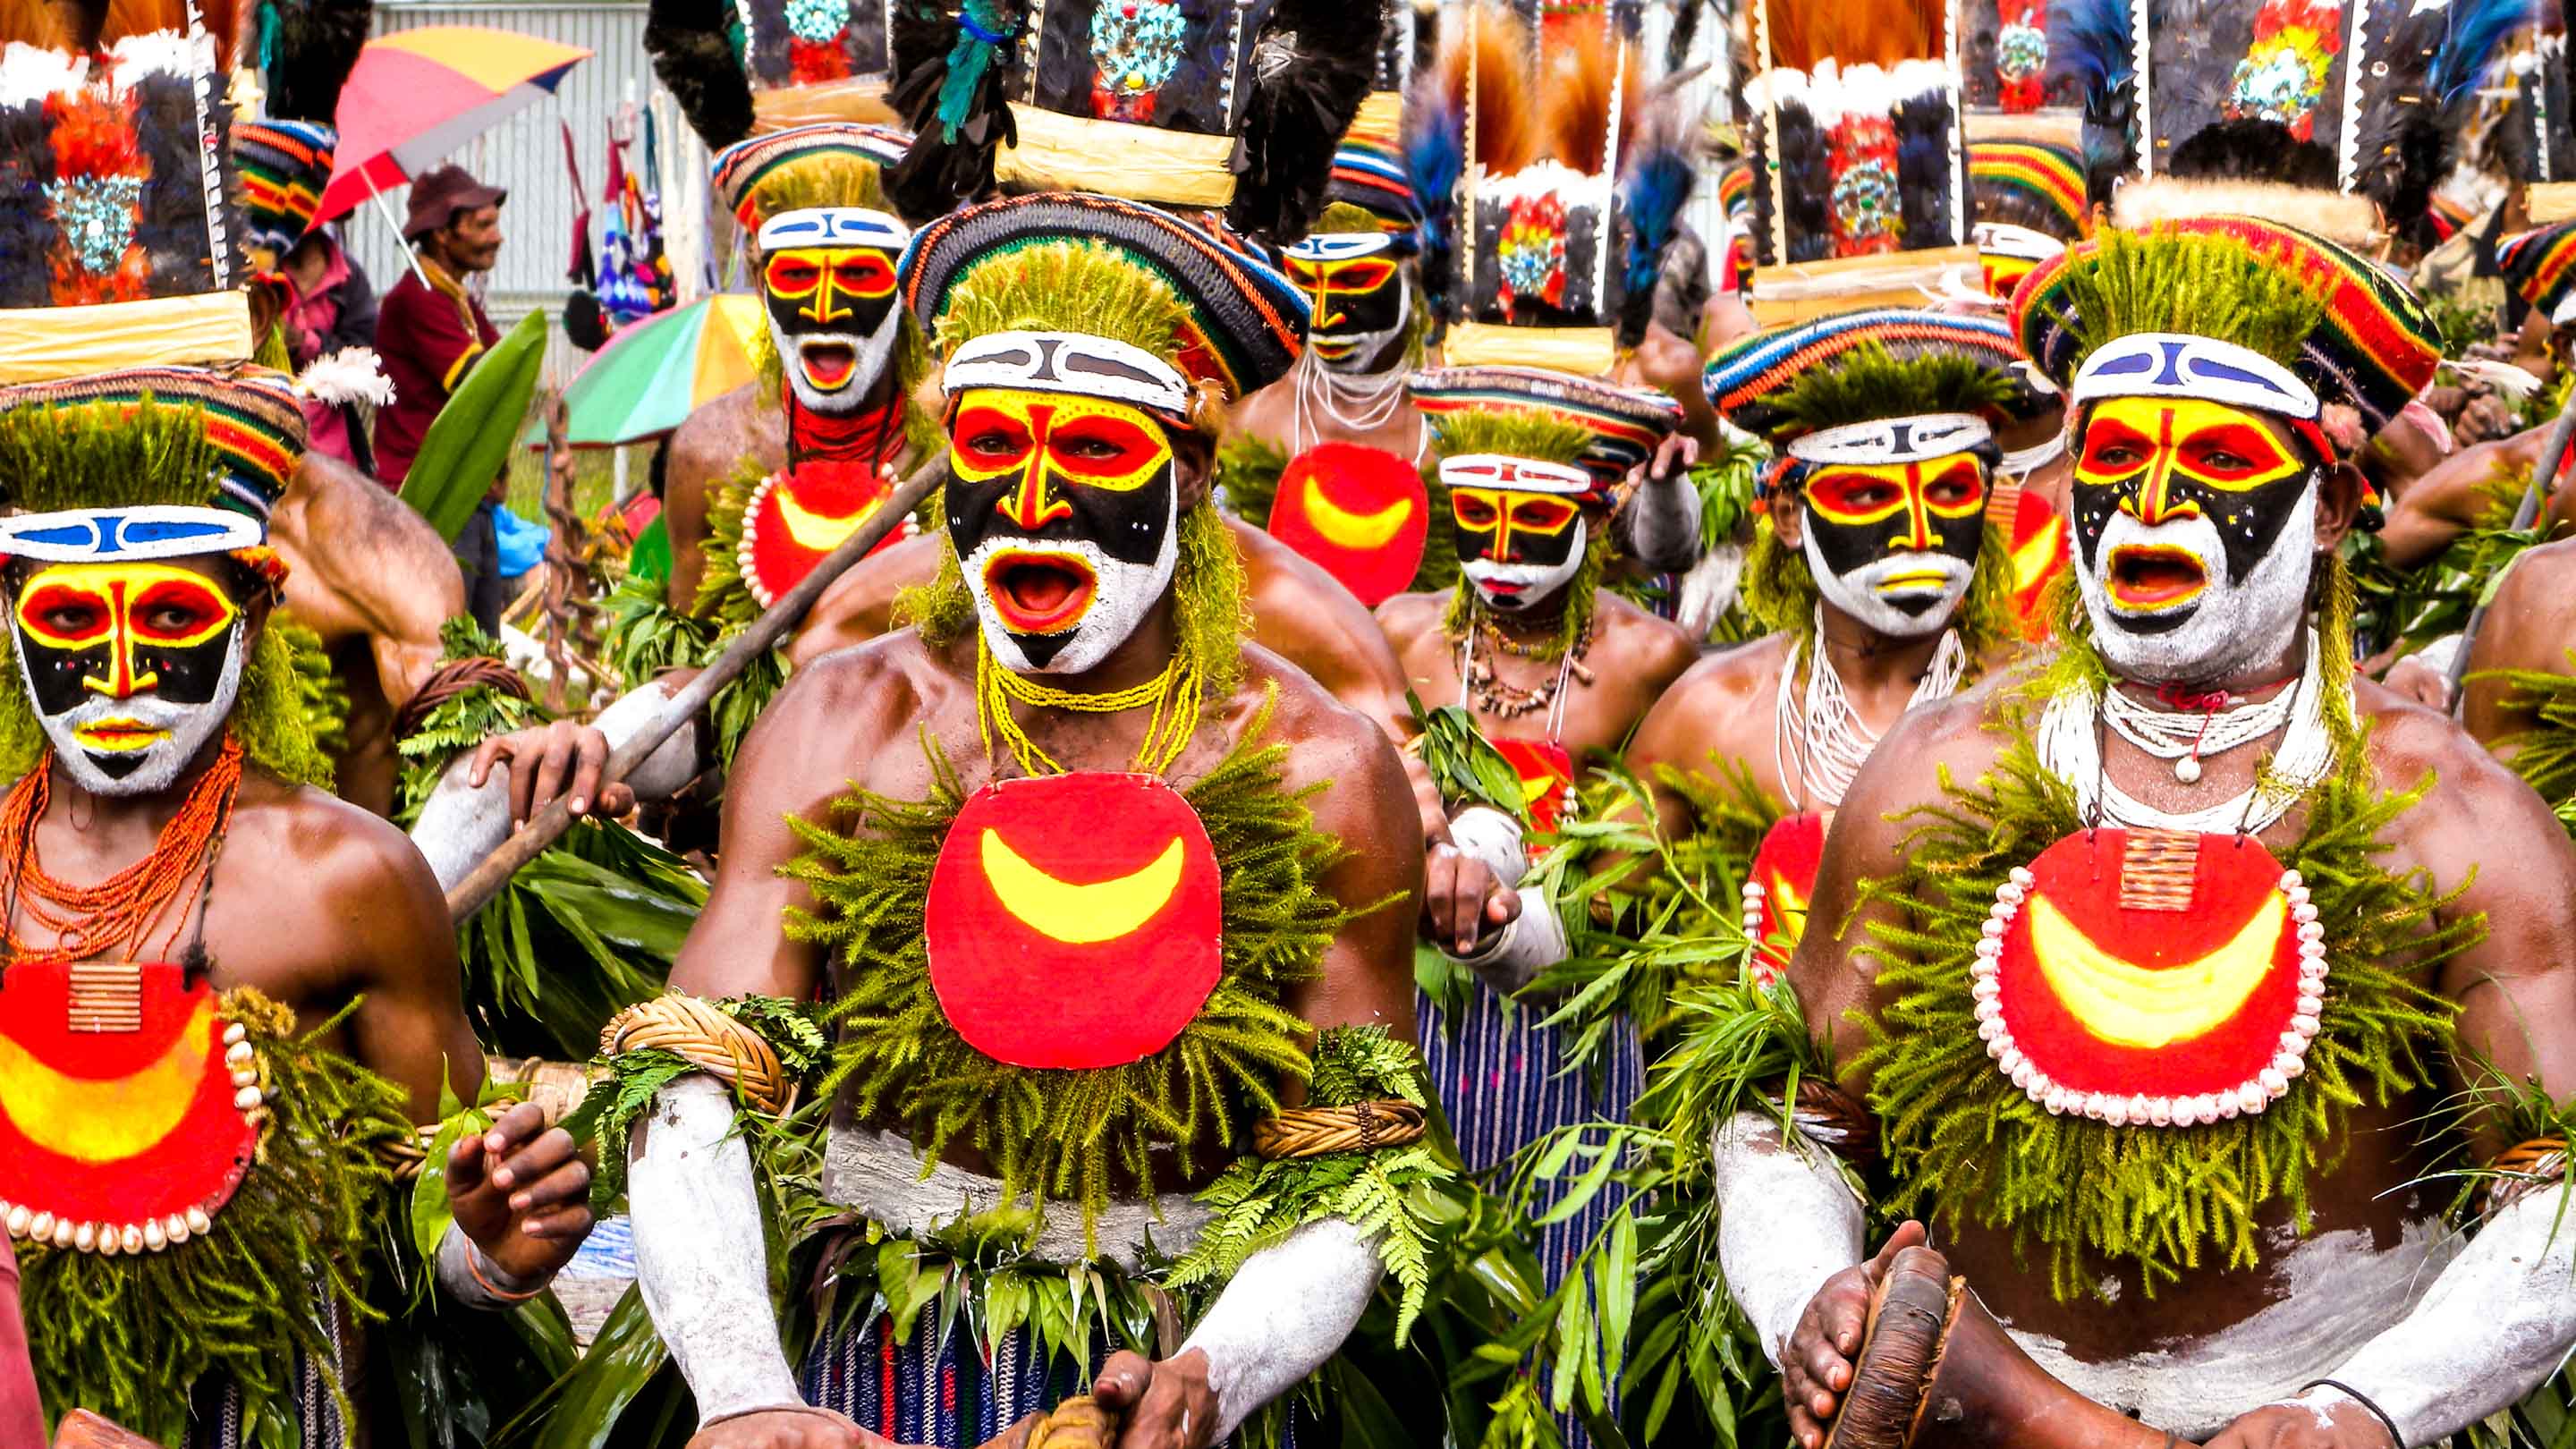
(469, 441)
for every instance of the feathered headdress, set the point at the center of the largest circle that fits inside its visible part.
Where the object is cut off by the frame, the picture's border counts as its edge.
(120, 286)
(736, 66)
(1551, 178)
(1855, 127)
(2421, 70)
(2004, 57)
(1211, 111)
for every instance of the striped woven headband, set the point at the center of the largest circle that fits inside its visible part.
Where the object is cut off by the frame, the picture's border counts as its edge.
(2538, 265)
(2375, 349)
(253, 421)
(1371, 176)
(738, 169)
(2047, 172)
(1746, 380)
(1625, 424)
(1735, 190)
(1247, 323)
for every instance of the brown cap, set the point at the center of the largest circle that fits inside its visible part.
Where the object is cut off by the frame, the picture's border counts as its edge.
(437, 195)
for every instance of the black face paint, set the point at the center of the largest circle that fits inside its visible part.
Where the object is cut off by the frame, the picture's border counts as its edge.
(1060, 508)
(2163, 459)
(1861, 514)
(828, 289)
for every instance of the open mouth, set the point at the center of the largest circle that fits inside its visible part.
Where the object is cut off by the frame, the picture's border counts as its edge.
(118, 736)
(2146, 579)
(1039, 593)
(1333, 349)
(828, 365)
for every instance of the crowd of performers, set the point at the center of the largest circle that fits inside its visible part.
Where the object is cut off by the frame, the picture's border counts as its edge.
(1460, 816)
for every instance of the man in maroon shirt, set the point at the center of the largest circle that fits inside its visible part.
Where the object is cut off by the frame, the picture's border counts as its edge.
(429, 333)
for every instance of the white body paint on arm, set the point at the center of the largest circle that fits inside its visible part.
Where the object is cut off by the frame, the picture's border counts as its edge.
(699, 1255)
(1659, 527)
(1532, 942)
(2498, 1320)
(460, 826)
(1287, 1310)
(1786, 1223)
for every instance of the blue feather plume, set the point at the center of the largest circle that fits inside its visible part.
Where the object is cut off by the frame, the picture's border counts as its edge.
(2477, 29)
(1653, 192)
(1435, 155)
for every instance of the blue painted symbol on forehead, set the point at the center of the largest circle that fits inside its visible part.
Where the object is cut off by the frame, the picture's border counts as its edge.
(1340, 246)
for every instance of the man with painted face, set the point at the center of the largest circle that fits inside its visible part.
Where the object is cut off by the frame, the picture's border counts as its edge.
(2160, 956)
(1875, 565)
(1202, 856)
(763, 481)
(1551, 667)
(205, 1079)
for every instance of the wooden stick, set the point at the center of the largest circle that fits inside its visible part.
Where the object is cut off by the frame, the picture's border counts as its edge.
(549, 824)
(2542, 476)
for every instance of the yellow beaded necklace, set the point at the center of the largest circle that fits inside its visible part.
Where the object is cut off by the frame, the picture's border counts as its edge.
(1174, 694)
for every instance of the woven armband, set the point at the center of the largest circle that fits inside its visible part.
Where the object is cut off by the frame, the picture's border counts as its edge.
(711, 1040)
(2523, 1169)
(1835, 1120)
(1300, 1132)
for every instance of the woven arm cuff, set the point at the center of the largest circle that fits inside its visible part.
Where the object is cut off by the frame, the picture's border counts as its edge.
(1301, 1132)
(711, 1040)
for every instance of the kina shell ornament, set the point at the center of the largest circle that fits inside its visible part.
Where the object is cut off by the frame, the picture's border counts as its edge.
(2178, 988)
(129, 1107)
(1778, 885)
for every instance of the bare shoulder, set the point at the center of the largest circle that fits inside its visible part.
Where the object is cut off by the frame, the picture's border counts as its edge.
(1657, 648)
(1957, 739)
(1733, 675)
(1407, 617)
(2409, 743)
(1328, 741)
(1721, 695)
(2529, 625)
(711, 439)
(350, 529)
(859, 605)
(346, 855)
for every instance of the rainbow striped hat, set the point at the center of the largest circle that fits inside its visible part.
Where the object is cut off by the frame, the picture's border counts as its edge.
(1752, 381)
(845, 159)
(2375, 349)
(2029, 183)
(283, 165)
(1625, 424)
(1368, 167)
(1247, 323)
(2540, 264)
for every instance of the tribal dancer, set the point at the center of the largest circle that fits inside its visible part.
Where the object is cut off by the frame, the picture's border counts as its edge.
(1877, 563)
(1073, 761)
(201, 1075)
(2166, 958)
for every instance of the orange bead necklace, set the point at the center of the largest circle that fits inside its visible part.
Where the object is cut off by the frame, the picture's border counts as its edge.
(115, 914)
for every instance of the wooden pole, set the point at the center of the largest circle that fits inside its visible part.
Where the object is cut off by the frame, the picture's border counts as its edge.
(548, 825)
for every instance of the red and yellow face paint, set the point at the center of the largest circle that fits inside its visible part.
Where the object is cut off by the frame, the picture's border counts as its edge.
(1353, 298)
(2164, 459)
(1864, 512)
(117, 630)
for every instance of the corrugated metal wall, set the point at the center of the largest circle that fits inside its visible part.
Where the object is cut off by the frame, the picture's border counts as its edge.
(526, 152)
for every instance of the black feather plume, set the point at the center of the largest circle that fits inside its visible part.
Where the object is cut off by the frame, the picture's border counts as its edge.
(1311, 68)
(2092, 47)
(314, 46)
(1926, 153)
(171, 222)
(950, 62)
(27, 229)
(694, 56)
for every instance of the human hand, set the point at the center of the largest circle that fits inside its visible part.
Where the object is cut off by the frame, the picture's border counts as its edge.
(1669, 362)
(543, 759)
(520, 1194)
(1816, 1366)
(1167, 1405)
(1672, 456)
(788, 1429)
(1462, 900)
(2324, 1418)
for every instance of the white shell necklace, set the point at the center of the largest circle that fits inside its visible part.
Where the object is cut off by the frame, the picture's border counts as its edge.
(1826, 738)
(2069, 742)
(1359, 404)
(2186, 737)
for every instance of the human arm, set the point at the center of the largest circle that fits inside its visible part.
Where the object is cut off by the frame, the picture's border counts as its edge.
(2452, 497)
(1658, 524)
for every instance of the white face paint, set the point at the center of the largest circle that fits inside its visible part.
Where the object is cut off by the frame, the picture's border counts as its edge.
(1122, 594)
(1525, 588)
(1907, 595)
(2222, 628)
(1365, 352)
(183, 730)
(808, 357)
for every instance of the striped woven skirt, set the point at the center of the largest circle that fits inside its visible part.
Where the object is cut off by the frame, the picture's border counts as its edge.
(929, 1391)
(1502, 1081)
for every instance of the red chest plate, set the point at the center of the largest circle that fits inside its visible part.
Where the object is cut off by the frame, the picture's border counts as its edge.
(142, 1129)
(1778, 887)
(1359, 512)
(2151, 977)
(1545, 770)
(794, 518)
(1073, 920)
